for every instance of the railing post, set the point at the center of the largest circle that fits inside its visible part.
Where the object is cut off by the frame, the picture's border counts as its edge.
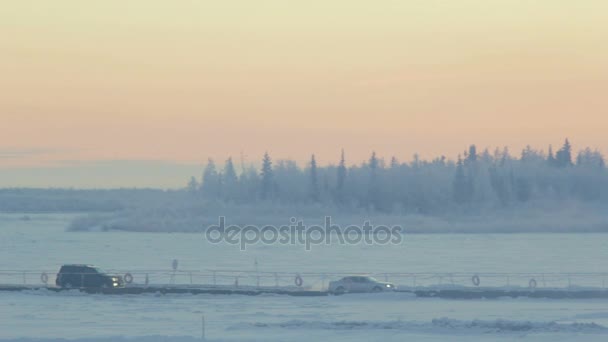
(24, 281)
(214, 280)
(543, 278)
(276, 279)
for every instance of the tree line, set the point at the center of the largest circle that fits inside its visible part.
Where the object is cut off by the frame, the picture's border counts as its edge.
(475, 180)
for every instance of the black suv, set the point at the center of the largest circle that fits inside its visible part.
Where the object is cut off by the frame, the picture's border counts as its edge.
(70, 276)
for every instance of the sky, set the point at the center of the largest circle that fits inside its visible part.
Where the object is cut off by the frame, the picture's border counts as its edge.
(130, 84)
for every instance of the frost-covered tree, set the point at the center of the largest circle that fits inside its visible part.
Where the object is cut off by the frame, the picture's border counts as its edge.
(210, 184)
(249, 185)
(314, 180)
(340, 179)
(550, 157)
(474, 183)
(590, 159)
(268, 185)
(374, 193)
(394, 162)
(563, 157)
(472, 155)
(461, 184)
(230, 181)
(192, 185)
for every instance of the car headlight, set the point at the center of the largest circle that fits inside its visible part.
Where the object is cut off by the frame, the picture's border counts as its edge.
(115, 284)
(389, 285)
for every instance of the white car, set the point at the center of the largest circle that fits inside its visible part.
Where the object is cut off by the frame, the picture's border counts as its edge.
(360, 284)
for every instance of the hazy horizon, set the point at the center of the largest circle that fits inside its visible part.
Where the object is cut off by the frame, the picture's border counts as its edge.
(172, 174)
(178, 83)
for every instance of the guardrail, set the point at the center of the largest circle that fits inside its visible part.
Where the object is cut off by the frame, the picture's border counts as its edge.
(319, 281)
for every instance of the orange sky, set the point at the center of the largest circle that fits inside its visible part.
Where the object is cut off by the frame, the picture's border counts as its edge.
(185, 80)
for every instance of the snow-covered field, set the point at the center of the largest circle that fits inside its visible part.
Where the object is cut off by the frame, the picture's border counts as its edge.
(356, 317)
(41, 243)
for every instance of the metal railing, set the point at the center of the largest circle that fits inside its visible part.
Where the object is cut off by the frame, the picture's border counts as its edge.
(320, 281)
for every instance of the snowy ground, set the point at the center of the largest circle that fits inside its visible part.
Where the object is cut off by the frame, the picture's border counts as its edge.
(42, 244)
(389, 316)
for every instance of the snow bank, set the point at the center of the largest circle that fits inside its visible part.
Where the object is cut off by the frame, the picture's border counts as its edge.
(437, 327)
(112, 339)
(440, 325)
(186, 217)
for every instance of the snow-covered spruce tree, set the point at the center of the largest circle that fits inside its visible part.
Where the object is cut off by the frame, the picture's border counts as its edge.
(340, 192)
(210, 181)
(268, 185)
(564, 155)
(230, 181)
(192, 186)
(314, 180)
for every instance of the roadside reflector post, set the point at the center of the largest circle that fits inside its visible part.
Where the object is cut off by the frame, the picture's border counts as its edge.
(174, 266)
(543, 277)
(203, 328)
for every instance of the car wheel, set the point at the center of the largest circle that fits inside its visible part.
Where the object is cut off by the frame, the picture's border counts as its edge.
(377, 289)
(339, 290)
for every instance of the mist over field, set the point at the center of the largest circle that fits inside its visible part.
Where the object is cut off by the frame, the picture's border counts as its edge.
(479, 191)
